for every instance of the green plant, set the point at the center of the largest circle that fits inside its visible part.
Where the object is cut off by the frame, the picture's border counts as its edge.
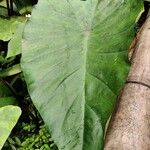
(74, 61)
(9, 116)
(30, 136)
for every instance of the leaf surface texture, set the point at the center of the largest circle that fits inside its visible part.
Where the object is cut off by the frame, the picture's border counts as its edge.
(74, 60)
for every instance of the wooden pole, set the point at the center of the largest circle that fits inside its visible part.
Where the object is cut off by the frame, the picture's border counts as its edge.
(129, 128)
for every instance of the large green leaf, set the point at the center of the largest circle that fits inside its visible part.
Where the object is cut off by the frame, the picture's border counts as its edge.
(8, 27)
(74, 60)
(14, 46)
(8, 118)
(4, 101)
(15, 69)
(8, 114)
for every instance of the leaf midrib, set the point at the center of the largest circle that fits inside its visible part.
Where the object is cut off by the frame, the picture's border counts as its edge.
(87, 34)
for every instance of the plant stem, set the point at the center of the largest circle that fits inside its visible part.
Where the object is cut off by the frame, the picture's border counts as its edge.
(9, 7)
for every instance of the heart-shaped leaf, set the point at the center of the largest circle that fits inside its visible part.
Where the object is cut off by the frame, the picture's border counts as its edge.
(8, 27)
(8, 118)
(15, 45)
(74, 60)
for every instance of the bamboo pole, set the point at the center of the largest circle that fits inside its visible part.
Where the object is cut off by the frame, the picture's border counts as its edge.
(129, 128)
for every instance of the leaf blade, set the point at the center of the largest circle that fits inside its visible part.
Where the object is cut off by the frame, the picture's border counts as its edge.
(12, 114)
(81, 60)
